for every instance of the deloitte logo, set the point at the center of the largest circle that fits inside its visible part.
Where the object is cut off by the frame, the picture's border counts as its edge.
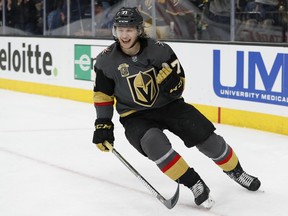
(29, 58)
(82, 62)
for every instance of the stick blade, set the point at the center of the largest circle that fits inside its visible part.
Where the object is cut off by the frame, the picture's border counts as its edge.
(170, 203)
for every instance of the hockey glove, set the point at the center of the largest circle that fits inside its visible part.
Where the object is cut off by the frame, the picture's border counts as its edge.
(104, 131)
(170, 81)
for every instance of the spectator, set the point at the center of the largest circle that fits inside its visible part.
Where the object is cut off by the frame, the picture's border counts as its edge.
(7, 11)
(102, 20)
(1, 12)
(183, 17)
(24, 15)
(263, 22)
(106, 4)
(77, 9)
(39, 7)
(217, 17)
(219, 11)
(102, 23)
(56, 17)
(162, 24)
(262, 8)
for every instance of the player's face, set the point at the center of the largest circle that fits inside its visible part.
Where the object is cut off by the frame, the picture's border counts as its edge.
(127, 36)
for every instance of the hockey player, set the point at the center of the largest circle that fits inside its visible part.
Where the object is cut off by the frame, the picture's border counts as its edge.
(146, 80)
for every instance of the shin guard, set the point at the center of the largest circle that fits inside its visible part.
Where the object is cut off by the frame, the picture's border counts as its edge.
(157, 147)
(219, 151)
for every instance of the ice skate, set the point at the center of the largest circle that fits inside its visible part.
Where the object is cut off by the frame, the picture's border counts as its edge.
(202, 194)
(241, 177)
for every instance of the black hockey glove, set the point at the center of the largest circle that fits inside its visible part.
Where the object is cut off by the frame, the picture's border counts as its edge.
(170, 81)
(104, 131)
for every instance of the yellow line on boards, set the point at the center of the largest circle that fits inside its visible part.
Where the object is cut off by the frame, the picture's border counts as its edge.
(260, 121)
(48, 90)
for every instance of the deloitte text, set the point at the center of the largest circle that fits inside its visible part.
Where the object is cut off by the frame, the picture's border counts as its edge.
(274, 83)
(29, 58)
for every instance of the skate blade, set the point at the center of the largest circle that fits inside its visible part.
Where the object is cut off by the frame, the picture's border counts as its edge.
(208, 204)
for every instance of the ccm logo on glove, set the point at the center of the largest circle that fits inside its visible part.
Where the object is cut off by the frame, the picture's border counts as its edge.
(103, 126)
(104, 132)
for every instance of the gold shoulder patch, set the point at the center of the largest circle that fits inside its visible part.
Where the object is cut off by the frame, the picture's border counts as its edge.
(123, 68)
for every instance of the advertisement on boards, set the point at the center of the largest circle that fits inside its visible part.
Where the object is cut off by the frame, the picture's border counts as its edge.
(84, 60)
(60, 62)
(241, 77)
(255, 79)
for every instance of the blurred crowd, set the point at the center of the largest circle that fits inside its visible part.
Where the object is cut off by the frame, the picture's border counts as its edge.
(215, 20)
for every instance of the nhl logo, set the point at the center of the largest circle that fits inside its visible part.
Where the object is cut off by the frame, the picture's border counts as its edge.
(123, 68)
(134, 58)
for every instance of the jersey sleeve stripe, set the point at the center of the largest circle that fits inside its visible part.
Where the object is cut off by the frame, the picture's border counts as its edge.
(101, 98)
(104, 103)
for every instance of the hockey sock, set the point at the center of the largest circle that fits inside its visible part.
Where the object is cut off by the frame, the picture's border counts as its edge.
(228, 160)
(172, 165)
(189, 178)
(216, 148)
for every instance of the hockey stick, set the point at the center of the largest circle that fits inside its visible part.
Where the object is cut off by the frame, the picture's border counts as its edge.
(170, 203)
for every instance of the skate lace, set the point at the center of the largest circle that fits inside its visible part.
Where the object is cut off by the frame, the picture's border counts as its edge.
(245, 179)
(197, 189)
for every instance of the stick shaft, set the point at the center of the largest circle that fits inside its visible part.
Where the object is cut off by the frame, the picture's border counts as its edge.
(137, 174)
(170, 203)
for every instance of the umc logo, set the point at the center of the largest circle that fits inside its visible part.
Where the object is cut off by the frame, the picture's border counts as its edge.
(253, 80)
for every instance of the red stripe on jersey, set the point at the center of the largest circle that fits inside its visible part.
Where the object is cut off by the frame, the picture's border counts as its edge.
(104, 103)
(225, 160)
(172, 162)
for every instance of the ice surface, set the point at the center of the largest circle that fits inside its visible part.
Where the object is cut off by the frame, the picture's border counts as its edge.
(49, 167)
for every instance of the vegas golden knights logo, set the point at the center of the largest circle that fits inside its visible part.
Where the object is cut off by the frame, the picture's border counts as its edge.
(144, 88)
